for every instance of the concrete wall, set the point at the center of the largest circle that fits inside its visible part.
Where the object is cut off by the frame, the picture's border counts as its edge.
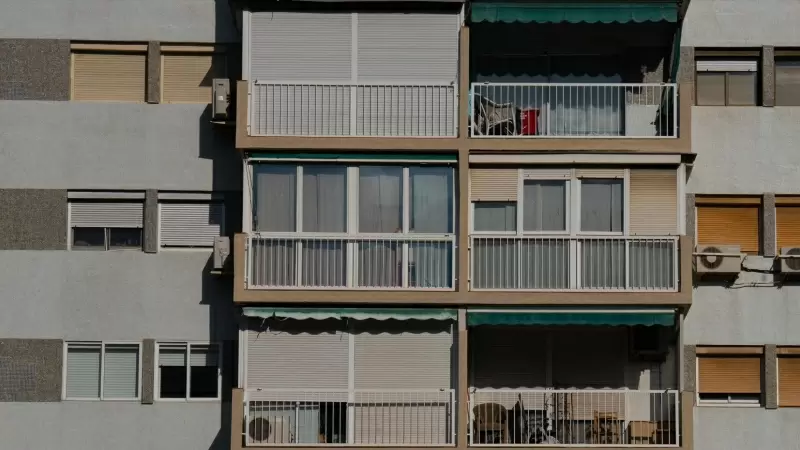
(745, 428)
(741, 23)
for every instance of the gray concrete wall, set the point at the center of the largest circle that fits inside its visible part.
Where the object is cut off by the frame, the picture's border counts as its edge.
(741, 23)
(719, 428)
(34, 69)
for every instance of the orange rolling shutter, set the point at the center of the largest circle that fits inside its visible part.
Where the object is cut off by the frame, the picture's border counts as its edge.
(729, 374)
(729, 225)
(788, 226)
(187, 77)
(789, 381)
(109, 76)
(654, 201)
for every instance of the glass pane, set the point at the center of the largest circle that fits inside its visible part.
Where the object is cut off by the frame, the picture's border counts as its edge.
(380, 199)
(431, 199)
(204, 376)
(495, 216)
(742, 88)
(379, 264)
(601, 205)
(121, 377)
(430, 264)
(324, 263)
(125, 238)
(496, 263)
(544, 207)
(324, 198)
(89, 238)
(711, 88)
(787, 83)
(172, 371)
(275, 197)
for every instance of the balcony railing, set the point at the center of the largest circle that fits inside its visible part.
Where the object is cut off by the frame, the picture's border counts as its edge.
(397, 262)
(353, 109)
(569, 110)
(574, 418)
(564, 263)
(357, 418)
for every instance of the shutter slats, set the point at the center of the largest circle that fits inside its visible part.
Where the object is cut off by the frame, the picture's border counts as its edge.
(729, 225)
(653, 202)
(600, 173)
(494, 185)
(117, 77)
(729, 374)
(187, 78)
(789, 381)
(191, 224)
(546, 174)
(121, 373)
(106, 214)
(788, 226)
(83, 371)
(204, 356)
(173, 355)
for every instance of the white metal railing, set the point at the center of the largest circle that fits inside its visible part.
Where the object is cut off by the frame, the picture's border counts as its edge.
(353, 109)
(355, 417)
(405, 261)
(551, 110)
(563, 263)
(574, 417)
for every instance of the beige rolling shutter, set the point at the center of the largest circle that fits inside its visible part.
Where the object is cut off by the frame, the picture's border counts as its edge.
(788, 226)
(729, 225)
(729, 374)
(789, 380)
(653, 202)
(119, 77)
(494, 185)
(106, 214)
(191, 224)
(546, 174)
(600, 173)
(187, 77)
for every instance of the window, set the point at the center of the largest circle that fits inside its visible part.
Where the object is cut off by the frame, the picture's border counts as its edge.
(787, 222)
(106, 225)
(788, 377)
(545, 205)
(729, 379)
(787, 82)
(188, 73)
(729, 221)
(191, 224)
(109, 72)
(188, 371)
(732, 82)
(102, 371)
(601, 205)
(495, 216)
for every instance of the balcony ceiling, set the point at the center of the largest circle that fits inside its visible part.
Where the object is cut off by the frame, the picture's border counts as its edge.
(579, 12)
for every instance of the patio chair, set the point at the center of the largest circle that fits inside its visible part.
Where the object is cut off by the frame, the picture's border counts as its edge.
(491, 423)
(495, 119)
(606, 428)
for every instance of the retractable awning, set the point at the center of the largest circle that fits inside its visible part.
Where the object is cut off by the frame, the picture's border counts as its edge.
(561, 316)
(352, 313)
(557, 12)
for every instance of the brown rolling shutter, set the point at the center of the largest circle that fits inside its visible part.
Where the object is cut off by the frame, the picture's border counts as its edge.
(729, 224)
(187, 77)
(494, 185)
(653, 201)
(788, 226)
(109, 76)
(729, 374)
(789, 381)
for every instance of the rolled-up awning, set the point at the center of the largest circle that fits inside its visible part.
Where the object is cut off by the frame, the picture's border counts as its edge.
(557, 12)
(561, 316)
(352, 313)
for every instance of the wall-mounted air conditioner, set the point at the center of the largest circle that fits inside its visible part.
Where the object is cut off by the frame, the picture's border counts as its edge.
(718, 259)
(790, 259)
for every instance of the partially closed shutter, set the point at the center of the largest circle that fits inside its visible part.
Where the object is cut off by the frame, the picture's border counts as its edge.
(546, 174)
(600, 173)
(729, 374)
(789, 381)
(106, 214)
(121, 371)
(729, 225)
(204, 356)
(494, 185)
(83, 371)
(119, 77)
(187, 78)
(191, 224)
(653, 202)
(788, 226)
(172, 355)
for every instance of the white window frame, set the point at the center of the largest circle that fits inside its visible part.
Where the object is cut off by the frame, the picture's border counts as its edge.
(106, 248)
(187, 361)
(103, 345)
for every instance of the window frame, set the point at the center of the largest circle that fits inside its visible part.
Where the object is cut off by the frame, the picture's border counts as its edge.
(783, 59)
(106, 230)
(728, 402)
(726, 85)
(188, 346)
(108, 49)
(102, 348)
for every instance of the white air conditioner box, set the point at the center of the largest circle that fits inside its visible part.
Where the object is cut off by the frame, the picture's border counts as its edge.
(790, 259)
(729, 260)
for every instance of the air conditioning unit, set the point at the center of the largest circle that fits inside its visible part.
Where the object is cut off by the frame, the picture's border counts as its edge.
(790, 265)
(222, 251)
(220, 99)
(648, 343)
(729, 260)
(270, 429)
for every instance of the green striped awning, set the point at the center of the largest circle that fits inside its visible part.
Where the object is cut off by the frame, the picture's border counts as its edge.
(557, 12)
(352, 313)
(599, 317)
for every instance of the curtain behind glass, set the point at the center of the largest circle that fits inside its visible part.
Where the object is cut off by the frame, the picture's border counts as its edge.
(380, 199)
(590, 110)
(545, 206)
(324, 199)
(431, 199)
(495, 216)
(601, 205)
(275, 197)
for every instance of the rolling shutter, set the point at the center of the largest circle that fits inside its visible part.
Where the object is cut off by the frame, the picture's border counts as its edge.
(546, 174)
(653, 202)
(191, 224)
(119, 77)
(204, 356)
(600, 173)
(494, 185)
(106, 214)
(121, 371)
(729, 374)
(788, 226)
(716, 65)
(172, 355)
(789, 381)
(83, 371)
(187, 78)
(729, 225)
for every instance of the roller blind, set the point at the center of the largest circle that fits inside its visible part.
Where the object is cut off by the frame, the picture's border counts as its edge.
(729, 374)
(715, 65)
(191, 224)
(789, 381)
(546, 174)
(121, 371)
(106, 214)
(83, 371)
(788, 226)
(187, 78)
(204, 356)
(497, 185)
(600, 173)
(173, 355)
(653, 201)
(729, 225)
(119, 77)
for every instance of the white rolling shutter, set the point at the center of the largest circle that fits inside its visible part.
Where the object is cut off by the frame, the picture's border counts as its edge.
(191, 224)
(83, 371)
(714, 65)
(107, 214)
(121, 371)
(600, 173)
(173, 355)
(204, 356)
